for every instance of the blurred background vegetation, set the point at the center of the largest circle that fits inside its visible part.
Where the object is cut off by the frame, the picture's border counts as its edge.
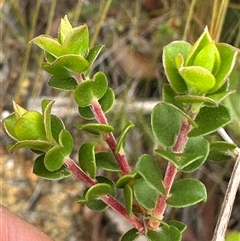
(134, 33)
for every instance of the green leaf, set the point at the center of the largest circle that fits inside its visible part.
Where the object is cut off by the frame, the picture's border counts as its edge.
(64, 28)
(128, 197)
(48, 44)
(40, 170)
(221, 151)
(8, 124)
(186, 192)
(169, 96)
(107, 161)
(180, 160)
(106, 103)
(219, 97)
(97, 205)
(145, 194)
(130, 235)
(95, 128)
(171, 69)
(228, 55)
(177, 224)
(102, 179)
(93, 54)
(86, 159)
(66, 141)
(122, 137)
(150, 171)
(67, 65)
(209, 119)
(201, 42)
(46, 110)
(207, 58)
(36, 145)
(192, 99)
(198, 79)
(97, 191)
(89, 90)
(166, 123)
(68, 83)
(18, 110)
(54, 158)
(30, 127)
(126, 179)
(76, 41)
(165, 233)
(197, 146)
(57, 126)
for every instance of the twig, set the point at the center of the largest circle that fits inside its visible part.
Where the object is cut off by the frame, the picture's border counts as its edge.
(227, 205)
(109, 200)
(109, 137)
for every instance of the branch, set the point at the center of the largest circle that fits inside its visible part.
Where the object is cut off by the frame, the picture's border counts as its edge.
(109, 137)
(109, 200)
(227, 205)
(169, 177)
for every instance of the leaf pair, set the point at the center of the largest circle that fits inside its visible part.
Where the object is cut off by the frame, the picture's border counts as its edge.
(198, 69)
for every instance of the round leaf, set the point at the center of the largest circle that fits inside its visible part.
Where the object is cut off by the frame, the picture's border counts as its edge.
(30, 127)
(89, 90)
(40, 170)
(165, 233)
(107, 161)
(197, 78)
(207, 57)
(86, 159)
(128, 196)
(46, 110)
(106, 103)
(145, 194)
(196, 146)
(228, 56)
(68, 83)
(54, 158)
(130, 235)
(34, 145)
(186, 192)
(48, 44)
(171, 69)
(150, 171)
(97, 191)
(126, 179)
(67, 65)
(8, 124)
(76, 41)
(122, 137)
(209, 119)
(221, 151)
(66, 141)
(57, 126)
(95, 128)
(166, 123)
(93, 54)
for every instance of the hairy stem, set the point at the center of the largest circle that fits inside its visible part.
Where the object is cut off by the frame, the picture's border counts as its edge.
(112, 202)
(169, 177)
(109, 137)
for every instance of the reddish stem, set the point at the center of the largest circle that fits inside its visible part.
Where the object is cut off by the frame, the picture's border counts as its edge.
(112, 202)
(78, 172)
(169, 176)
(109, 137)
